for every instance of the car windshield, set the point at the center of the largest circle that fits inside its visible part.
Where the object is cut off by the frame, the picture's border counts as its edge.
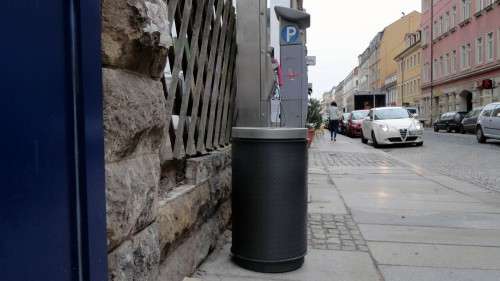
(358, 115)
(412, 110)
(448, 116)
(391, 113)
(475, 112)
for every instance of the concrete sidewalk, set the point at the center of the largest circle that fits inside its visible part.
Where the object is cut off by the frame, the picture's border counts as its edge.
(375, 217)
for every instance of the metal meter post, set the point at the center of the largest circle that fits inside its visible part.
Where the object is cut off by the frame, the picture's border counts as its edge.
(294, 92)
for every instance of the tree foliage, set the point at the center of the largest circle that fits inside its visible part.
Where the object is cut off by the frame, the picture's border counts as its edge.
(314, 114)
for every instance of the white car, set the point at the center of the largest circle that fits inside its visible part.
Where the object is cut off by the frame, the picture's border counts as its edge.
(391, 125)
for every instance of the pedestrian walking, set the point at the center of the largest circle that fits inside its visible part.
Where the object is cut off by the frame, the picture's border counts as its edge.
(334, 115)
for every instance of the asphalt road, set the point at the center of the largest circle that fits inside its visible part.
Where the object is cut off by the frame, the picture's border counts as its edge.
(458, 156)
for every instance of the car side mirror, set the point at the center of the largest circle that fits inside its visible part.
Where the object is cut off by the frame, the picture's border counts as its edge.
(367, 118)
(414, 115)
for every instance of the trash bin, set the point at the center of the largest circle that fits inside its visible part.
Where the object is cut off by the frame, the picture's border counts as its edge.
(269, 176)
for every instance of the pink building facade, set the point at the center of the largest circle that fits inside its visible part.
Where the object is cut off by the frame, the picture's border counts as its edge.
(461, 55)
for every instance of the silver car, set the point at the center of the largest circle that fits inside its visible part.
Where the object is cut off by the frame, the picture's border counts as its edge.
(488, 123)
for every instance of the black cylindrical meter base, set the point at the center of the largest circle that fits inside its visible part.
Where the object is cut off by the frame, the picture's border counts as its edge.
(269, 176)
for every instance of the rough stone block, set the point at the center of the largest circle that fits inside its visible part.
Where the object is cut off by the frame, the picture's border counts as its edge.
(180, 211)
(132, 196)
(200, 169)
(187, 206)
(134, 114)
(136, 35)
(137, 258)
(220, 185)
(184, 260)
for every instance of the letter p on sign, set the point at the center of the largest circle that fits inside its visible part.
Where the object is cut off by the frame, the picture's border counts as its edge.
(290, 34)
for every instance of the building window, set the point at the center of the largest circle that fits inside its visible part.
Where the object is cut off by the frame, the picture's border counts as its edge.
(469, 52)
(447, 65)
(434, 67)
(466, 9)
(479, 5)
(441, 26)
(453, 64)
(489, 47)
(441, 67)
(479, 50)
(498, 44)
(465, 56)
(435, 30)
(447, 22)
(453, 18)
(418, 59)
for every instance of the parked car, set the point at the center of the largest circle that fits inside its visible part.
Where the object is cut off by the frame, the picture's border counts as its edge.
(488, 123)
(449, 121)
(415, 113)
(354, 122)
(470, 121)
(343, 123)
(391, 125)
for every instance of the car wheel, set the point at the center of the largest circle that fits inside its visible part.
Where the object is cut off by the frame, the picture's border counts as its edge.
(436, 129)
(448, 129)
(363, 140)
(375, 142)
(480, 135)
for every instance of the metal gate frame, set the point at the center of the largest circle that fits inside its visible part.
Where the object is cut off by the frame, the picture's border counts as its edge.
(85, 30)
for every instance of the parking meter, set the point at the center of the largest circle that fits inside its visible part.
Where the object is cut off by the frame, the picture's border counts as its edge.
(294, 92)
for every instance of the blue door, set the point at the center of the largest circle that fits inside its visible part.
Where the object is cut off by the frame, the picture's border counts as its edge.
(52, 203)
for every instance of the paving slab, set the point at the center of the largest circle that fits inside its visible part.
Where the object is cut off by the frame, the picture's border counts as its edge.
(319, 266)
(464, 257)
(318, 179)
(433, 235)
(324, 199)
(427, 218)
(406, 273)
(363, 172)
(399, 205)
(396, 190)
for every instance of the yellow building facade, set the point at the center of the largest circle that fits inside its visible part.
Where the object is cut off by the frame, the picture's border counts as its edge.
(393, 43)
(409, 64)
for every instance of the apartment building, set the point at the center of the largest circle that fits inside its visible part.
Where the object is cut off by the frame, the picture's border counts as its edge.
(338, 95)
(461, 54)
(350, 89)
(409, 61)
(392, 44)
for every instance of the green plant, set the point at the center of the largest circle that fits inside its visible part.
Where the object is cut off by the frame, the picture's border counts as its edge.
(314, 118)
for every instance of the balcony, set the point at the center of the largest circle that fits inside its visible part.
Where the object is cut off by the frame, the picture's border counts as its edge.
(465, 22)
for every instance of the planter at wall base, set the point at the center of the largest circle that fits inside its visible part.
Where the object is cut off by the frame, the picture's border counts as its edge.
(310, 136)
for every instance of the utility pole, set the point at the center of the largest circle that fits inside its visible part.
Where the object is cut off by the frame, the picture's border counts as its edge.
(432, 57)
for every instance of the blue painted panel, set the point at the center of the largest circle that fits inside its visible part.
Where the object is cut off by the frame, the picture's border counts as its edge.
(45, 122)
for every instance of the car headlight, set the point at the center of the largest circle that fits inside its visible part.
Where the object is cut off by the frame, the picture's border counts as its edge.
(384, 127)
(418, 126)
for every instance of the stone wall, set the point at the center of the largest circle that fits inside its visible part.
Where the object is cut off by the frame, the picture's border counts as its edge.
(165, 211)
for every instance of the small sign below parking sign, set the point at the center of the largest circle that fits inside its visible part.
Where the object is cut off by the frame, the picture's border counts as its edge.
(290, 34)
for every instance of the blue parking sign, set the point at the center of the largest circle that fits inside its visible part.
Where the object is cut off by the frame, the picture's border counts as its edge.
(290, 34)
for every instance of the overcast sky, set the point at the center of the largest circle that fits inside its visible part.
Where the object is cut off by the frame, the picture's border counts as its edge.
(341, 30)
